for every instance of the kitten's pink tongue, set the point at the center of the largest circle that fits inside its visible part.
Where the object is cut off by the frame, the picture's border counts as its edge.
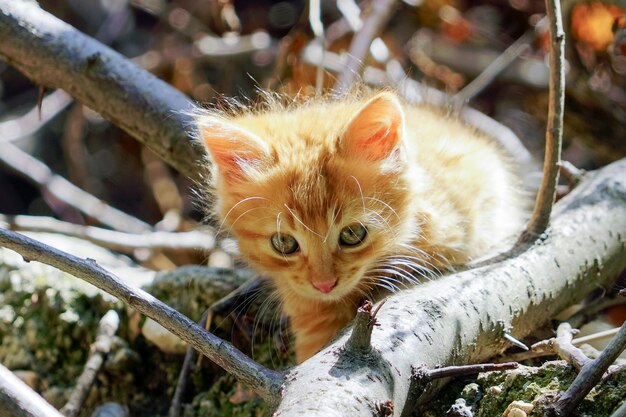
(325, 286)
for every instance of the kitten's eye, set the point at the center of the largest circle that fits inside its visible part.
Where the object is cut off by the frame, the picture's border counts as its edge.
(284, 244)
(352, 235)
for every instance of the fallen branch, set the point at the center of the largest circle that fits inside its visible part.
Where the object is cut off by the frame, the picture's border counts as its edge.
(18, 400)
(590, 375)
(53, 104)
(100, 349)
(495, 67)
(565, 348)
(54, 54)
(421, 377)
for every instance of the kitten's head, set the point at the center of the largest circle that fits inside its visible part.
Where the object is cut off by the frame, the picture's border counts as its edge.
(316, 195)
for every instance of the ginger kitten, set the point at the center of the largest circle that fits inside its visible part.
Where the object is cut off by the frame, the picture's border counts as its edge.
(331, 199)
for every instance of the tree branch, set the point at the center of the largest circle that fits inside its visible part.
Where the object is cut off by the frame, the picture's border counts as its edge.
(120, 241)
(107, 327)
(590, 375)
(52, 53)
(40, 174)
(266, 382)
(554, 131)
(18, 400)
(373, 24)
(53, 104)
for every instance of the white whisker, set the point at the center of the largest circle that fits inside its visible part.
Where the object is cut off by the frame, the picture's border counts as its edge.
(235, 206)
(243, 214)
(360, 191)
(302, 223)
(384, 204)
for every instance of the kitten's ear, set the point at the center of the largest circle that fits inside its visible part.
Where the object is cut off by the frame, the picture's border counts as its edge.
(376, 130)
(236, 152)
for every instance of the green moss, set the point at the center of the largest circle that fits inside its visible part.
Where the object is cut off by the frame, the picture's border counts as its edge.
(222, 401)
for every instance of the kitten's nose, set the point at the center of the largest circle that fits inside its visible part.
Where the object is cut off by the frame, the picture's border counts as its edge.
(325, 286)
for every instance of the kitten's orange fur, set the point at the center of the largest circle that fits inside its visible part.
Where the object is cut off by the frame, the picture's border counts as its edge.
(430, 191)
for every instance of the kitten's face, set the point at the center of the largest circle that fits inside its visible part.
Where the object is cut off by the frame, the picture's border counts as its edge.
(315, 220)
(317, 231)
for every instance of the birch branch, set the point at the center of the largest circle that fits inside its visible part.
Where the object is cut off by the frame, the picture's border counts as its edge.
(54, 54)
(18, 400)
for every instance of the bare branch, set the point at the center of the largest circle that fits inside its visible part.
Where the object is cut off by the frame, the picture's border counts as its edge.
(422, 376)
(566, 349)
(100, 349)
(32, 121)
(315, 21)
(375, 22)
(266, 382)
(590, 375)
(18, 400)
(37, 172)
(124, 242)
(495, 67)
(554, 131)
(595, 336)
(54, 54)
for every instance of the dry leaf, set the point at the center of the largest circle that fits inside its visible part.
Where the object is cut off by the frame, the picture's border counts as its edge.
(592, 24)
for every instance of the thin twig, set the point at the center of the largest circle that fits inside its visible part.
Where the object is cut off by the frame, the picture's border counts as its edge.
(565, 348)
(496, 67)
(29, 123)
(40, 174)
(421, 377)
(265, 381)
(120, 241)
(464, 370)
(315, 20)
(18, 400)
(375, 22)
(590, 375)
(572, 174)
(99, 350)
(183, 377)
(554, 132)
(595, 336)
